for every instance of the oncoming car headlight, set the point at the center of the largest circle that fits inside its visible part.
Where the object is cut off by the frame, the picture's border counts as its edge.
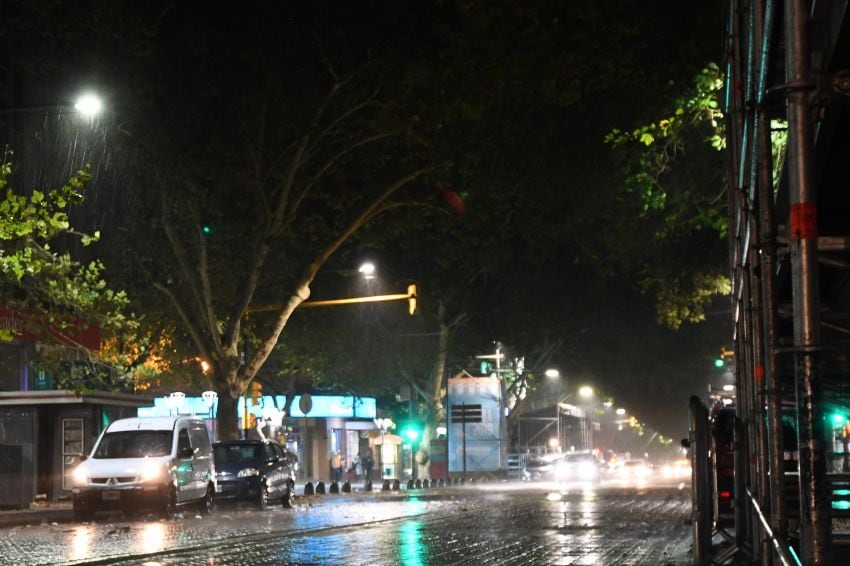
(79, 475)
(151, 471)
(247, 472)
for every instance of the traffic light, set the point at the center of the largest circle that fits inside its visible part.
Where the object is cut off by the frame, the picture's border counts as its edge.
(412, 298)
(411, 431)
(724, 357)
(256, 392)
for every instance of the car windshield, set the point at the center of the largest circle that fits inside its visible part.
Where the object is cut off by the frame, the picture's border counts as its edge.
(134, 444)
(235, 453)
(578, 458)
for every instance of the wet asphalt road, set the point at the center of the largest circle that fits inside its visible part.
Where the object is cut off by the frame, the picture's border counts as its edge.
(493, 523)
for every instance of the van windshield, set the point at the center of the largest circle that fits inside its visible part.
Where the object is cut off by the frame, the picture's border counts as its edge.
(134, 444)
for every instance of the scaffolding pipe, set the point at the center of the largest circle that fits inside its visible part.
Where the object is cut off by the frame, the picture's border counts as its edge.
(768, 260)
(816, 547)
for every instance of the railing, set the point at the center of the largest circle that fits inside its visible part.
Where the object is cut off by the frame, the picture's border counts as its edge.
(783, 551)
(516, 464)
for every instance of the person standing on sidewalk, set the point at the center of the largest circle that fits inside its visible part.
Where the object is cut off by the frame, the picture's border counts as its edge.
(337, 466)
(367, 465)
(358, 470)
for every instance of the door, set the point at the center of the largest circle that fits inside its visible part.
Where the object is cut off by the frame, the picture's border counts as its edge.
(187, 486)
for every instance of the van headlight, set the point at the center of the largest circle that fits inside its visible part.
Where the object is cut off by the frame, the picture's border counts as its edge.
(79, 475)
(248, 472)
(151, 472)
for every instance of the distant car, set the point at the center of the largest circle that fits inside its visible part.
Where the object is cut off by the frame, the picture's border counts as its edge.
(578, 467)
(635, 469)
(541, 467)
(256, 471)
(677, 469)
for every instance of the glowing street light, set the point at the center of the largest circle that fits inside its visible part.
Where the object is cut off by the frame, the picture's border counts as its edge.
(367, 270)
(89, 104)
(552, 373)
(585, 391)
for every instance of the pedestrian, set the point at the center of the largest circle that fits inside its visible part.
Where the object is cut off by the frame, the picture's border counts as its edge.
(357, 468)
(367, 465)
(337, 466)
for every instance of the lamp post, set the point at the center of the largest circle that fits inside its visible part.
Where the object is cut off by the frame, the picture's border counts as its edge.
(88, 105)
(586, 393)
(553, 373)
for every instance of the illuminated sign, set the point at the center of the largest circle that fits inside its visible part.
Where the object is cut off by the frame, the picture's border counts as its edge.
(324, 406)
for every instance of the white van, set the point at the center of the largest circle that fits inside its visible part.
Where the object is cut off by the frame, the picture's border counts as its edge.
(147, 463)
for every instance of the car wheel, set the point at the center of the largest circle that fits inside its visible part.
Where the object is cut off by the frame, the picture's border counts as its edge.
(205, 505)
(263, 499)
(287, 499)
(168, 507)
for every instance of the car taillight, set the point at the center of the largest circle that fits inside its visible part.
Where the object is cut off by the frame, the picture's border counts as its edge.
(725, 494)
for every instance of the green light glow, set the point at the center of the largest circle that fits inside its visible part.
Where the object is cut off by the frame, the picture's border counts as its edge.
(719, 363)
(411, 548)
(842, 504)
(838, 419)
(841, 492)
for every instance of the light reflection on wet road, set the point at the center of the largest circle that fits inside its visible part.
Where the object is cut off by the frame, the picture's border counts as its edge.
(494, 523)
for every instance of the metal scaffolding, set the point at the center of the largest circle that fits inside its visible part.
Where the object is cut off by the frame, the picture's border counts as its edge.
(787, 72)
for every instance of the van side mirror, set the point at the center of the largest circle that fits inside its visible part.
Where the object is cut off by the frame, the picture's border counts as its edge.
(686, 443)
(184, 453)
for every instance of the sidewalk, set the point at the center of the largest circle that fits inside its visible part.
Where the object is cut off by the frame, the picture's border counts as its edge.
(39, 513)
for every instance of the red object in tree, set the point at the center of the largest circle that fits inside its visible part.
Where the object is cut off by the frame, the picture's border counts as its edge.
(454, 201)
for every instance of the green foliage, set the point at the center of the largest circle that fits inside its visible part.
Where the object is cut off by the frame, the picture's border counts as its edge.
(673, 178)
(34, 277)
(661, 142)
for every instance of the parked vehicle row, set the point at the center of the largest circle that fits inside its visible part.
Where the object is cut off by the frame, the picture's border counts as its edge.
(165, 463)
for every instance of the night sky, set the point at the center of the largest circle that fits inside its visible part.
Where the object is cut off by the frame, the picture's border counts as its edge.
(503, 104)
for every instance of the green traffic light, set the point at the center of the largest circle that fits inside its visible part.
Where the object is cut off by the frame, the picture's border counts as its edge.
(411, 433)
(206, 229)
(719, 363)
(838, 419)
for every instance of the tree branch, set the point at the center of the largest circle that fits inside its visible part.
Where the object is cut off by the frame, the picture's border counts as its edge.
(190, 323)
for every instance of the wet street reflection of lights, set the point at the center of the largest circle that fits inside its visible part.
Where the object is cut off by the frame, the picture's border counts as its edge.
(151, 538)
(81, 543)
(413, 552)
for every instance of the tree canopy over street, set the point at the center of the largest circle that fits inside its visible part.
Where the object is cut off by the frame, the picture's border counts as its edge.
(251, 157)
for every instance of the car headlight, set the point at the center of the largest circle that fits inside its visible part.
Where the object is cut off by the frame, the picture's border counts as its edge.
(248, 472)
(79, 475)
(151, 472)
(586, 470)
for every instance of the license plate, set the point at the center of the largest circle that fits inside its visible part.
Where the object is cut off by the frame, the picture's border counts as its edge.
(111, 495)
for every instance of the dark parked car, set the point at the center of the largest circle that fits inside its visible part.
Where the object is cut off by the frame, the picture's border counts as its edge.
(258, 471)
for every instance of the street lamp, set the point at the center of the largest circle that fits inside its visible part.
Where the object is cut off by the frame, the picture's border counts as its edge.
(552, 373)
(89, 104)
(367, 270)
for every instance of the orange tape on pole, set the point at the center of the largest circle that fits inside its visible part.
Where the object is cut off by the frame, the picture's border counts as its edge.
(803, 221)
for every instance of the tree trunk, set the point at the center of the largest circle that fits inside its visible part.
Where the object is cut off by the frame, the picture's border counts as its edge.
(227, 427)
